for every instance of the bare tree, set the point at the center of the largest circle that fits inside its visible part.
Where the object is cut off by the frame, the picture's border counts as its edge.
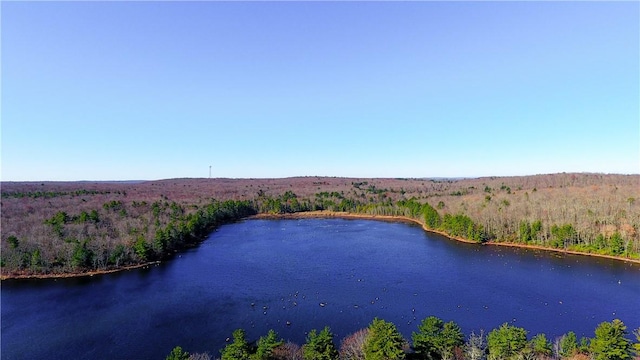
(352, 347)
(476, 346)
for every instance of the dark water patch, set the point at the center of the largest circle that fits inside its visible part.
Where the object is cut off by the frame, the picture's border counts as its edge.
(296, 275)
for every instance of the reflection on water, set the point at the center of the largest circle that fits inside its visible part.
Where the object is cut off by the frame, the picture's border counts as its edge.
(296, 275)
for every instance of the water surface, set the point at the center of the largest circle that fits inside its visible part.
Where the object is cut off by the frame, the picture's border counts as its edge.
(296, 275)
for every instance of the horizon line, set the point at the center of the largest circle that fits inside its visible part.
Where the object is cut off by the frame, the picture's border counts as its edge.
(319, 176)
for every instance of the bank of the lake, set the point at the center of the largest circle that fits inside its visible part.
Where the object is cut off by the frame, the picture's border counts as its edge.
(27, 276)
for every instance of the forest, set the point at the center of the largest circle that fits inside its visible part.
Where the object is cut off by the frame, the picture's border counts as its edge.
(434, 339)
(68, 228)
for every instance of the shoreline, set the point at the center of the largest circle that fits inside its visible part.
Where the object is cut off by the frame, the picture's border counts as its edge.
(316, 215)
(76, 275)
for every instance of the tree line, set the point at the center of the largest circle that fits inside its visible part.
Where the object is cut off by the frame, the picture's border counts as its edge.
(557, 236)
(537, 232)
(92, 240)
(434, 339)
(53, 194)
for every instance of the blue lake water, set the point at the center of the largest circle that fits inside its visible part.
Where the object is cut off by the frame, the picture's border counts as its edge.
(296, 275)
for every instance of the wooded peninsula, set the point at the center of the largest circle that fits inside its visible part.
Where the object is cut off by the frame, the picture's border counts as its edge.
(52, 229)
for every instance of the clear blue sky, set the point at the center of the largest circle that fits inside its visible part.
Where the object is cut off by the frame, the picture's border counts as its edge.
(152, 90)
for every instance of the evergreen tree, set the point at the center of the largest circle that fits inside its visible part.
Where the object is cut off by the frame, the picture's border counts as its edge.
(384, 342)
(320, 346)
(540, 345)
(506, 342)
(437, 339)
(82, 256)
(525, 231)
(266, 344)
(431, 216)
(636, 346)
(584, 345)
(616, 244)
(610, 342)
(425, 340)
(238, 349)
(13, 241)
(450, 338)
(178, 354)
(568, 344)
(536, 228)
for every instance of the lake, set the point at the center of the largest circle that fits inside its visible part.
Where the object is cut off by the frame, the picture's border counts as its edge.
(296, 275)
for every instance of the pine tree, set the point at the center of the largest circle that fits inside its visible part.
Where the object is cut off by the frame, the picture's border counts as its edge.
(384, 343)
(540, 345)
(266, 344)
(238, 349)
(506, 341)
(320, 346)
(610, 342)
(178, 354)
(568, 344)
(437, 339)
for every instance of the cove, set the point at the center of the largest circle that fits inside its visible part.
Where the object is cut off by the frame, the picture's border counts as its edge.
(296, 275)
